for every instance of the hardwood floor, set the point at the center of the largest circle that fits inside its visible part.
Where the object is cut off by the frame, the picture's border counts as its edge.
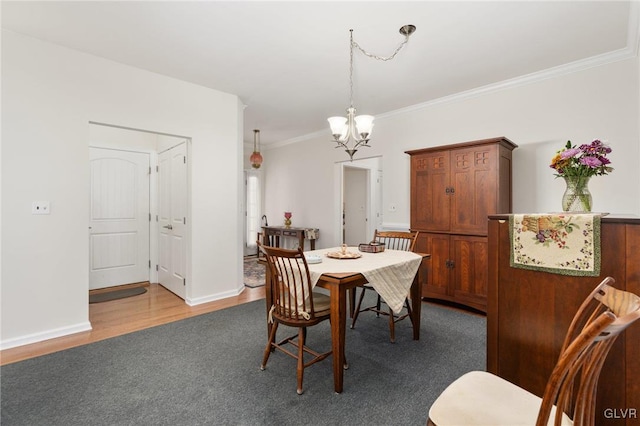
(109, 319)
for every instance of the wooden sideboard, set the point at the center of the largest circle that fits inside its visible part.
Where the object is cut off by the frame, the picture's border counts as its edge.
(528, 313)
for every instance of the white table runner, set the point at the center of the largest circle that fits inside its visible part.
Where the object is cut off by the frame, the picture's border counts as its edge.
(390, 273)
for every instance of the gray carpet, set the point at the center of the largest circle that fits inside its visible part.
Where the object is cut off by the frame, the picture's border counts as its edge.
(205, 371)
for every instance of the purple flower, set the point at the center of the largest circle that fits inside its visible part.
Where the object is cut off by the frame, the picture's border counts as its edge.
(568, 153)
(585, 160)
(592, 162)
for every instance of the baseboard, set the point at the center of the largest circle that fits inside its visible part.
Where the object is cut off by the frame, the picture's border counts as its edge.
(213, 297)
(45, 335)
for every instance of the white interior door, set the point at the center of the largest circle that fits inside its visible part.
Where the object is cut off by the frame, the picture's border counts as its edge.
(119, 217)
(172, 219)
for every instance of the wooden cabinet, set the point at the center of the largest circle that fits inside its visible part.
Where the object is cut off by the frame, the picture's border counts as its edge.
(454, 189)
(529, 312)
(457, 270)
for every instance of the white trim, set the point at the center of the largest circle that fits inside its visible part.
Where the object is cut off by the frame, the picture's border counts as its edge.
(97, 123)
(326, 132)
(45, 335)
(595, 61)
(388, 226)
(633, 33)
(213, 297)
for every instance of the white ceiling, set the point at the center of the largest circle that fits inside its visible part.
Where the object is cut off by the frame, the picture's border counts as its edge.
(289, 61)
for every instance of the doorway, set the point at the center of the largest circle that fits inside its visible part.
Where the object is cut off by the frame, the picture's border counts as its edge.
(355, 206)
(140, 143)
(360, 203)
(253, 211)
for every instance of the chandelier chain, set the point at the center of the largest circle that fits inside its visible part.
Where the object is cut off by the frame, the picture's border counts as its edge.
(380, 58)
(359, 127)
(351, 69)
(353, 44)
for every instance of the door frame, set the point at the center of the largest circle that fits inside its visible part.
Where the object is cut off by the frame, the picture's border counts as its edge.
(363, 178)
(246, 250)
(164, 142)
(374, 198)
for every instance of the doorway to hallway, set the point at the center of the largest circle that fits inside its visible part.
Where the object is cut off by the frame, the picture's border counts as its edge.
(132, 163)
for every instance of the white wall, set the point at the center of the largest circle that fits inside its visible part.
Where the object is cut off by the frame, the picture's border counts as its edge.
(49, 96)
(600, 102)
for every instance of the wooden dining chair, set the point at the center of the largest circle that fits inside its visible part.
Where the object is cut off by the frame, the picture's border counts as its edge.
(393, 240)
(481, 398)
(294, 304)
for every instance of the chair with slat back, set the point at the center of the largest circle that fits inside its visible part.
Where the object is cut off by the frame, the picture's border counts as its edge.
(393, 240)
(481, 398)
(294, 304)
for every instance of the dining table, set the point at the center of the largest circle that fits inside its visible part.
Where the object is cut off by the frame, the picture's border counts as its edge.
(394, 274)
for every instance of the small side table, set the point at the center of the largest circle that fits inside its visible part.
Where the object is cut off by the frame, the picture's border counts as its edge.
(271, 235)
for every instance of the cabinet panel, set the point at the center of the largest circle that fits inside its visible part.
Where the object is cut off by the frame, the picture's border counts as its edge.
(430, 210)
(437, 270)
(457, 270)
(470, 272)
(474, 172)
(632, 337)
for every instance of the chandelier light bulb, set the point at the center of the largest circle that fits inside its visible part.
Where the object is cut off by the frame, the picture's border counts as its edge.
(364, 124)
(338, 126)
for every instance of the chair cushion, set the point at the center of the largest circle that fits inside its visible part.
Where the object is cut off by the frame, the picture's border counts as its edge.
(321, 303)
(481, 398)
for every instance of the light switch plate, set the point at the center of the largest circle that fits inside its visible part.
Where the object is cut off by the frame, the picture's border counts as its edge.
(40, 207)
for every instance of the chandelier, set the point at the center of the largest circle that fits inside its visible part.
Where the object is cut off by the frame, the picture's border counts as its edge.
(359, 127)
(256, 157)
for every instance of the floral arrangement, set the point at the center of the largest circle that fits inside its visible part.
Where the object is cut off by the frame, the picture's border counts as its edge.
(583, 161)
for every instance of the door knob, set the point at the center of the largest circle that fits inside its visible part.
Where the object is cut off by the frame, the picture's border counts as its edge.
(168, 226)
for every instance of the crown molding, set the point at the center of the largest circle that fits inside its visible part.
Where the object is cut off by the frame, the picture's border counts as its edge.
(573, 67)
(630, 51)
(302, 138)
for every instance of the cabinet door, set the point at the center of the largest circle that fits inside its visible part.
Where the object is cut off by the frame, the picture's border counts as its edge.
(438, 270)
(430, 201)
(474, 180)
(470, 270)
